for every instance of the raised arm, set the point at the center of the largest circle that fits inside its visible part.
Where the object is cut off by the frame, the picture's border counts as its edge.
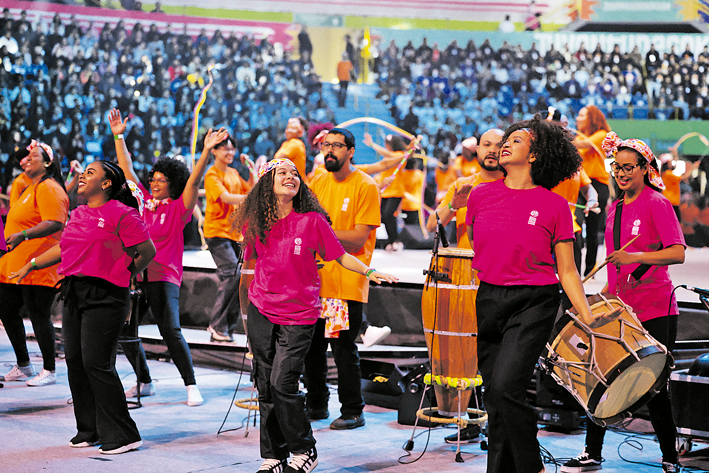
(378, 148)
(118, 127)
(191, 192)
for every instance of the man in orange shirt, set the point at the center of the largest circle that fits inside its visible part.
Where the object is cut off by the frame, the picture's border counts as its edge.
(453, 204)
(225, 189)
(467, 164)
(344, 71)
(294, 148)
(351, 198)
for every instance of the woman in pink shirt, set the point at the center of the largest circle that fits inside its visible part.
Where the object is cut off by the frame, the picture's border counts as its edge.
(640, 277)
(168, 207)
(286, 231)
(523, 237)
(105, 244)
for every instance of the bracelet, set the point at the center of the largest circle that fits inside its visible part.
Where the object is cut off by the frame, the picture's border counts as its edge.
(450, 207)
(27, 237)
(369, 272)
(118, 137)
(33, 263)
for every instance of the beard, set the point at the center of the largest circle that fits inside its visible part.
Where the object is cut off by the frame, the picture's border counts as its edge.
(332, 164)
(496, 167)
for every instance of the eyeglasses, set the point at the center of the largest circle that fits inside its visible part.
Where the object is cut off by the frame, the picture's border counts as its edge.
(334, 146)
(158, 181)
(627, 168)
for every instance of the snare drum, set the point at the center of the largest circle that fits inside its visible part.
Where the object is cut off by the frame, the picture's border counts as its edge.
(611, 370)
(450, 325)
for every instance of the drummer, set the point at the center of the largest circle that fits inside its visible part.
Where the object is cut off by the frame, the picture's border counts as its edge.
(521, 229)
(453, 204)
(640, 277)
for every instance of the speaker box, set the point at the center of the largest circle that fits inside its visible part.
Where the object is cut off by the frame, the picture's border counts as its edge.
(412, 238)
(550, 394)
(411, 398)
(689, 407)
(381, 383)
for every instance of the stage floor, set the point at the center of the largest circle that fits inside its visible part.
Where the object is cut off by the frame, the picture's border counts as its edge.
(408, 266)
(37, 423)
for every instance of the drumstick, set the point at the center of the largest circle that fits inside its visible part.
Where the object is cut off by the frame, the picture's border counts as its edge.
(590, 275)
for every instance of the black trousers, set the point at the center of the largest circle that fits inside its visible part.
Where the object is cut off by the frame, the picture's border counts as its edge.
(388, 208)
(595, 224)
(37, 301)
(94, 313)
(664, 329)
(346, 355)
(514, 324)
(279, 354)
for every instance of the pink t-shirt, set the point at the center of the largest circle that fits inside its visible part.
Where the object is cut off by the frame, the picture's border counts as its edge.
(165, 224)
(94, 242)
(286, 285)
(514, 233)
(652, 217)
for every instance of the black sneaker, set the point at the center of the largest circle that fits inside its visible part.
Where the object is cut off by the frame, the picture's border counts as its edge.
(273, 465)
(347, 423)
(468, 434)
(583, 462)
(303, 462)
(318, 413)
(668, 467)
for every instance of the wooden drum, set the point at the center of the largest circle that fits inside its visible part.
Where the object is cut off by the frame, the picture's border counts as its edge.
(450, 326)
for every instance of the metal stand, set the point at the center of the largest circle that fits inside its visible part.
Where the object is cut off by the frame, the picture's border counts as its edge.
(129, 335)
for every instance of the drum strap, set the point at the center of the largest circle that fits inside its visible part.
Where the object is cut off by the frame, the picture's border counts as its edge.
(643, 268)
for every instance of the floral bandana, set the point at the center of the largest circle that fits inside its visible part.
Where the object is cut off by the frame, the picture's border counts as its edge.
(273, 164)
(34, 143)
(611, 144)
(153, 204)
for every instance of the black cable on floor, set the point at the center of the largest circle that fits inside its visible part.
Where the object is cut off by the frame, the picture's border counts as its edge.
(233, 398)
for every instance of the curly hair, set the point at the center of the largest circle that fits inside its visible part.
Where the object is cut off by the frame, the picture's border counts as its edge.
(557, 157)
(259, 211)
(176, 173)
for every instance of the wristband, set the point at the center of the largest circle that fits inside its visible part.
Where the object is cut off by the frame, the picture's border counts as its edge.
(118, 137)
(27, 237)
(450, 207)
(33, 263)
(369, 272)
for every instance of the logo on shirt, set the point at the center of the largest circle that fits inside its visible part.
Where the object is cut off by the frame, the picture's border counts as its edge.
(101, 222)
(636, 227)
(533, 217)
(162, 219)
(298, 242)
(345, 203)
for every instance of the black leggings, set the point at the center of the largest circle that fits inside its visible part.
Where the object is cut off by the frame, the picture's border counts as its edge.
(389, 207)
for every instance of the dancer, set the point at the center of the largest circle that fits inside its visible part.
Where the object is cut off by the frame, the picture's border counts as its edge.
(38, 209)
(351, 199)
(521, 230)
(225, 189)
(168, 208)
(640, 277)
(104, 245)
(286, 229)
(294, 148)
(592, 123)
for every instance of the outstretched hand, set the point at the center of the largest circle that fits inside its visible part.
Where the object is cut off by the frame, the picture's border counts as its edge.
(378, 277)
(118, 126)
(460, 197)
(21, 273)
(368, 139)
(213, 138)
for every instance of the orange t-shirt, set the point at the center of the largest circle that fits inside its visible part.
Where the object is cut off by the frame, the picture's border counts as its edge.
(354, 201)
(413, 185)
(396, 188)
(672, 190)
(467, 168)
(217, 215)
(44, 201)
(569, 190)
(444, 179)
(594, 163)
(18, 186)
(343, 71)
(461, 228)
(295, 150)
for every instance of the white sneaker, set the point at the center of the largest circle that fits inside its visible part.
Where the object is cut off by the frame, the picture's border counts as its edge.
(44, 378)
(19, 372)
(146, 389)
(194, 398)
(374, 335)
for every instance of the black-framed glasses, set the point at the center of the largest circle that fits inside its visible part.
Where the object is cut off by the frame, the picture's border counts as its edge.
(335, 146)
(158, 181)
(627, 168)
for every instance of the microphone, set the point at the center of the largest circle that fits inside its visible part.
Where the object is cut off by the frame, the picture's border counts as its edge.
(698, 290)
(442, 232)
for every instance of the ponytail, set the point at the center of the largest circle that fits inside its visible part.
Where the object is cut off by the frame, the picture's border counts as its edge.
(120, 189)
